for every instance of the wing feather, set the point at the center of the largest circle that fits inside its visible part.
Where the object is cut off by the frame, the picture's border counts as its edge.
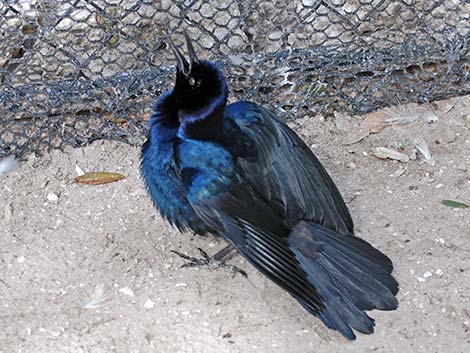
(281, 167)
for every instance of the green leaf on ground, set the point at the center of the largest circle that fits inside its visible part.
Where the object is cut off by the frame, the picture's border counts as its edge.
(454, 204)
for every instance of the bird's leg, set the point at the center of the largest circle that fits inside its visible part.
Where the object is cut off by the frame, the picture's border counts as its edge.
(212, 262)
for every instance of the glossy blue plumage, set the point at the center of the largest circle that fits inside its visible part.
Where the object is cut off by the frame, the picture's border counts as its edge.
(239, 172)
(159, 170)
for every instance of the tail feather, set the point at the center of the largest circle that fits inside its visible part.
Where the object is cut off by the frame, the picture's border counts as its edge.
(377, 287)
(356, 247)
(349, 274)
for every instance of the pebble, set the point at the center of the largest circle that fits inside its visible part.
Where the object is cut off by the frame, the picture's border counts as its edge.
(127, 291)
(429, 117)
(427, 274)
(52, 197)
(79, 170)
(149, 304)
(352, 165)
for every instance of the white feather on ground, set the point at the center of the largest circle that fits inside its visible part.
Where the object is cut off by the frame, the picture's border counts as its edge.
(402, 114)
(8, 164)
(423, 148)
(96, 299)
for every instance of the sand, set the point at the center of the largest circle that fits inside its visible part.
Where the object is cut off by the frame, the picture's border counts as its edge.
(60, 242)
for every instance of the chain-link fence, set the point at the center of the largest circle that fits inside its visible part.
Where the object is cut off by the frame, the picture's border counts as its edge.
(73, 71)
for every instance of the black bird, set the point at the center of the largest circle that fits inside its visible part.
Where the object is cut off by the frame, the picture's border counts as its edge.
(239, 172)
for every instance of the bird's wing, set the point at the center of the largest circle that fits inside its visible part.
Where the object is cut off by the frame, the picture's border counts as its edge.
(334, 276)
(235, 211)
(281, 167)
(258, 233)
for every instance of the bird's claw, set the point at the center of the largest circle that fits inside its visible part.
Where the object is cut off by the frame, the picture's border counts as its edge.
(208, 262)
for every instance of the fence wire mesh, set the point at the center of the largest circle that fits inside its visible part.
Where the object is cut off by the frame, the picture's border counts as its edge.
(73, 71)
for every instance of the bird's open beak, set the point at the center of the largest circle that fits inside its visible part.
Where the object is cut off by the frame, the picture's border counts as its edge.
(193, 60)
(182, 64)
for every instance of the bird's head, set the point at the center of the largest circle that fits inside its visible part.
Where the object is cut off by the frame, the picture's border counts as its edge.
(198, 82)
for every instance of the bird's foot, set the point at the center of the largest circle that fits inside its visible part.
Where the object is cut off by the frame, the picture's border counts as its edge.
(209, 262)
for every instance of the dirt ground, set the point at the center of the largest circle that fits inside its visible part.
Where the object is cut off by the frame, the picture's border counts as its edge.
(60, 242)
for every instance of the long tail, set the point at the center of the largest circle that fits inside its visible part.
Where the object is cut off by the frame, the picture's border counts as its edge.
(349, 274)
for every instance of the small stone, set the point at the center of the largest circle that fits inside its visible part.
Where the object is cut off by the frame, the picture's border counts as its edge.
(352, 165)
(439, 272)
(21, 259)
(127, 291)
(79, 170)
(52, 197)
(420, 279)
(149, 304)
(429, 117)
(427, 274)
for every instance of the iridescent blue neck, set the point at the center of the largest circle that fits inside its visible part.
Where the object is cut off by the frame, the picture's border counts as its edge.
(206, 122)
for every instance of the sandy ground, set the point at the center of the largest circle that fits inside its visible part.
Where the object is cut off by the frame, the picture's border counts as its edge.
(61, 241)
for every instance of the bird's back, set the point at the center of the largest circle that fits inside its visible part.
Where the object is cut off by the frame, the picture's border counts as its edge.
(275, 161)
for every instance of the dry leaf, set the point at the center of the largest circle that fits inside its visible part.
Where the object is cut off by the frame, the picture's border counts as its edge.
(97, 178)
(375, 122)
(356, 136)
(384, 153)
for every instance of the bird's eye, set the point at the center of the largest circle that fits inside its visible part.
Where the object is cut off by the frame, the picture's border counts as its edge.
(192, 81)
